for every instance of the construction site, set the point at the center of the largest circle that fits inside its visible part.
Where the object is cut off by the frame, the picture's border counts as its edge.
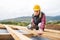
(13, 32)
(29, 19)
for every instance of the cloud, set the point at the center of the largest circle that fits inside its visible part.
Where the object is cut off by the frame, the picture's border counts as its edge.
(16, 8)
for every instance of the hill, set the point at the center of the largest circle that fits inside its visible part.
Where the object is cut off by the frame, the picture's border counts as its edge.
(28, 19)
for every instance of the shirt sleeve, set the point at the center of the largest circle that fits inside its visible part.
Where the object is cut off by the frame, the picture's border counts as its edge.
(43, 22)
(32, 20)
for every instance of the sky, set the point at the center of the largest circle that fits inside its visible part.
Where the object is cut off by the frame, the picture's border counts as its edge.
(19, 8)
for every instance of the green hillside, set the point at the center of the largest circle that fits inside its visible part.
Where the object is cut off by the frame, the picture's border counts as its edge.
(28, 19)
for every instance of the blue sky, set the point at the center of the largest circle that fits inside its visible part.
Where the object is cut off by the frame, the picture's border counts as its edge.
(18, 8)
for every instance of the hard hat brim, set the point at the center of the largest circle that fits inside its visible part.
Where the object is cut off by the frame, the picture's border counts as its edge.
(36, 9)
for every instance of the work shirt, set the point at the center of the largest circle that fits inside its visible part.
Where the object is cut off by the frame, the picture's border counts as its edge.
(42, 21)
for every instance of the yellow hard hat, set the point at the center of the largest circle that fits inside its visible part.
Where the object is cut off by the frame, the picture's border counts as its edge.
(36, 7)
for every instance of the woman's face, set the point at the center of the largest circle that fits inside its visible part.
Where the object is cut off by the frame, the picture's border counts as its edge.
(36, 13)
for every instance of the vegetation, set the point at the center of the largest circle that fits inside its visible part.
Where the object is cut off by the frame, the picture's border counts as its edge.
(26, 23)
(15, 23)
(56, 22)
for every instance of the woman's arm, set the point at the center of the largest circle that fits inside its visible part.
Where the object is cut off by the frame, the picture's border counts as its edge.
(43, 22)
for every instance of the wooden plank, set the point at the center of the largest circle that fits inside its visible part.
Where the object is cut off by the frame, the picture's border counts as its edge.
(29, 34)
(6, 37)
(52, 36)
(16, 35)
(2, 26)
(53, 31)
(24, 28)
(33, 32)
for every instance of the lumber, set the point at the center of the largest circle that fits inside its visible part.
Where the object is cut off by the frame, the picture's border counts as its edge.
(16, 35)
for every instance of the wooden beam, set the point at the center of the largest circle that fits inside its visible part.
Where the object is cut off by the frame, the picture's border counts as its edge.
(52, 36)
(2, 26)
(33, 32)
(53, 31)
(24, 28)
(16, 35)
